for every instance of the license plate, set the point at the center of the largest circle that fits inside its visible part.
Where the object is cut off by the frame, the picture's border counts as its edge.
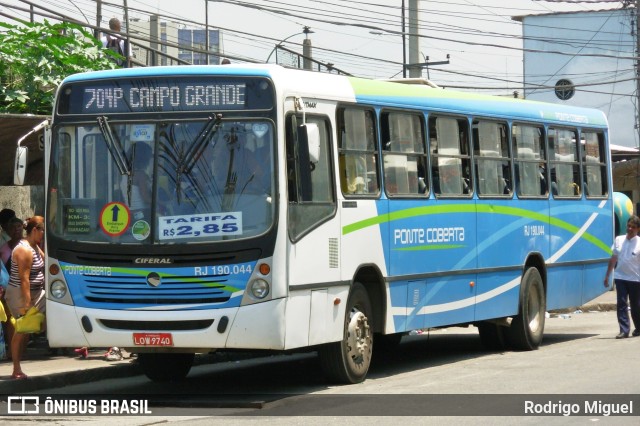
(152, 339)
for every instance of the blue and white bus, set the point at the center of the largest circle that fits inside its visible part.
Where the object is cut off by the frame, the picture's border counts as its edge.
(283, 209)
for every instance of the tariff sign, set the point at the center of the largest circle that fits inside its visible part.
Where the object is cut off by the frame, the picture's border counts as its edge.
(152, 339)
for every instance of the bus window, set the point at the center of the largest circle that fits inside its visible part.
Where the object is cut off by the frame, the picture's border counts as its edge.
(450, 165)
(530, 161)
(493, 164)
(404, 153)
(565, 168)
(317, 203)
(595, 168)
(357, 151)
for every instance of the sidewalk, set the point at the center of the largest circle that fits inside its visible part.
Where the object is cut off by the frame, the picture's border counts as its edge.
(49, 371)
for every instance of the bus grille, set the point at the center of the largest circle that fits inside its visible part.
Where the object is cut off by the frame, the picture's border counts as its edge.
(157, 325)
(173, 290)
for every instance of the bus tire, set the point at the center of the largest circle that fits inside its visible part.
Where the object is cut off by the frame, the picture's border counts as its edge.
(165, 367)
(527, 328)
(493, 337)
(348, 360)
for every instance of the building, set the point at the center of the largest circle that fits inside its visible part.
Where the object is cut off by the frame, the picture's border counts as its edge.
(587, 59)
(175, 41)
(584, 59)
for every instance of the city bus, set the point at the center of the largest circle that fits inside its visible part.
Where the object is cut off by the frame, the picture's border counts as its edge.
(255, 207)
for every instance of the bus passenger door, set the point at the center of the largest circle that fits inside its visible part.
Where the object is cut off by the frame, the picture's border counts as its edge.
(313, 232)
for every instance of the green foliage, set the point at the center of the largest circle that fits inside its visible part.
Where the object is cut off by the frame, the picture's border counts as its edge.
(35, 58)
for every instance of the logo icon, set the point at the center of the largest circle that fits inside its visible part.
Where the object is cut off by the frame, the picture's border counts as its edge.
(23, 405)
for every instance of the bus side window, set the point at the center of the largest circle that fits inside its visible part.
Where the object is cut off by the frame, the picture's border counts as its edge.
(310, 185)
(492, 157)
(530, 163)
(594, 165)
(357, 152)
(404, 154)
(450, 156)
(565, 171)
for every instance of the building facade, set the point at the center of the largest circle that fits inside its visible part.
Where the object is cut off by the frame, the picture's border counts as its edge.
(175, 41)
(585, 59)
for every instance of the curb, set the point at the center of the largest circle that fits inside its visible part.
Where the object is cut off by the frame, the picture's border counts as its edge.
(594, 307)
(67, 378)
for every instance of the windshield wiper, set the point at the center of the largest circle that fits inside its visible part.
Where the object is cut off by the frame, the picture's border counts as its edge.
(200, 144)
(114, 146)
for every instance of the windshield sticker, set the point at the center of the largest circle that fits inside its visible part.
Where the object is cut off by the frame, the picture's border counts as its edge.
(142, 132)
(141, 230)
(200, 225)
(115, 218)
(77, 218)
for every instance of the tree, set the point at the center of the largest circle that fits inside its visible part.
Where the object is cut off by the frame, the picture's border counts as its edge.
(36, 57)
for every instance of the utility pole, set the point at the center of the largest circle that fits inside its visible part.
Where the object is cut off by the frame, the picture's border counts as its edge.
(127, 41)
(96, 33)
(306, 50)
(404, 44)
(414, 40)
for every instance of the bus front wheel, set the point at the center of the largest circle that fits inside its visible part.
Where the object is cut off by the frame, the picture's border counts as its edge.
(165, 367)
(348, 360)
(525, 332)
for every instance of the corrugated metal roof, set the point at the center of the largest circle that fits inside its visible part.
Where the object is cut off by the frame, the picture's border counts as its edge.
(520, 18)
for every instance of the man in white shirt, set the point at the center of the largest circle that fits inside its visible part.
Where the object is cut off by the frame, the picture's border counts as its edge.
(115, 43)
(626, 261)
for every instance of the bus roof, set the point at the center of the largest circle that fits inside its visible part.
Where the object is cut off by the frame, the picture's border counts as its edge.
(374, 92)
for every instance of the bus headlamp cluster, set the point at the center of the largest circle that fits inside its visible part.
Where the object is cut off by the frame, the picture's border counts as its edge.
(259, 288)
(58, 289)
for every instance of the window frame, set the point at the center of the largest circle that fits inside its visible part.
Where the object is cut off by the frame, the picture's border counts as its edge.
(368, 153)
(517, 161)
(424, 155)
(297, 235)
(478, 158)
(465, 164)
(602, 164)
(554, 163)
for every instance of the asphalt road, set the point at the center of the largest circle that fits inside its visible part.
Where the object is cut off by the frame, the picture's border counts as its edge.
(441, 373)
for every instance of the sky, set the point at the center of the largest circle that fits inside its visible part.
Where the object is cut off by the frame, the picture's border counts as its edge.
(482, 41)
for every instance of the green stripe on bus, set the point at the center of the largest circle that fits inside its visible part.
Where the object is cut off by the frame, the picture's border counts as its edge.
(472, 208)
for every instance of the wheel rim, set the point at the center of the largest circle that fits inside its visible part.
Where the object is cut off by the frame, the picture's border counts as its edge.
(533, 309)
(358, 341)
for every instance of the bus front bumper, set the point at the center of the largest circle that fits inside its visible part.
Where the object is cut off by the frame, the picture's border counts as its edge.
(257, 326)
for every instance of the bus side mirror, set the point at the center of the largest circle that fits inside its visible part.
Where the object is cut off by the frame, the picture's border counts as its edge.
(20, 169)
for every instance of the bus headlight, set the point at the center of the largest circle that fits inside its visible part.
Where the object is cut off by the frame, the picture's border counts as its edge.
(259, 288)
(58, 289)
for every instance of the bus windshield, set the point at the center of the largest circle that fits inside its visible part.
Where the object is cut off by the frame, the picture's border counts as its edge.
(161, 182)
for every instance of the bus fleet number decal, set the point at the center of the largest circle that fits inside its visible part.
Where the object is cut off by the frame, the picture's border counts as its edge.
(200, 225)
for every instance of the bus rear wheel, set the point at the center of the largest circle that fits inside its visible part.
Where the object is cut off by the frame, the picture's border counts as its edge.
(348, 360)
(527, 328)
(165, 367)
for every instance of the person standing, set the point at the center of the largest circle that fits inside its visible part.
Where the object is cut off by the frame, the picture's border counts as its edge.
(5, 216)
(116, 43)
(15, 229)
(626, 261)
(26, 284)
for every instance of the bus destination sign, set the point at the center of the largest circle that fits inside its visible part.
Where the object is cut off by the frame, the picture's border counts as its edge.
(163, 95)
